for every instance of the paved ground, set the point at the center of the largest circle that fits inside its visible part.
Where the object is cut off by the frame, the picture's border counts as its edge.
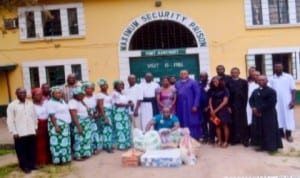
(5, 137)
(212, 163)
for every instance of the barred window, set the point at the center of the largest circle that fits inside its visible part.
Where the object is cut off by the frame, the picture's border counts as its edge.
(34, 77)
(55, 75)
(297, 2)
(278, 11)
(162, 34)
(76, 69)
(30, 24)
(73, 21)
(51, 22)
(257, 18)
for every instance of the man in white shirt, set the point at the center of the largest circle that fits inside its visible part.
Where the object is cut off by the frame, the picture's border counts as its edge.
(149, 106)
(135, 94)
(285, 87)
(22, 124)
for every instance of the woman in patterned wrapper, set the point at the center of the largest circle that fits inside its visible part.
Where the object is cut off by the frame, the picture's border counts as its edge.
(82, 132)
(105, 118)
(90, 101)
(59, 127)
(121, 117)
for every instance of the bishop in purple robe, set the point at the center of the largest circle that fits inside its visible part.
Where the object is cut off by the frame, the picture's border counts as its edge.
(187, 104)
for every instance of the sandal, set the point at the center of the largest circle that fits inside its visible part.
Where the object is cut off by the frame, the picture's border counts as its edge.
(225, 145)
(219, 144)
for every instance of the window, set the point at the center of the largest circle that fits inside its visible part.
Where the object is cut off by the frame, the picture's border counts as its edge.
(30, 24)
(256, 12)
(51, 21)
(53, 72)
(259, 63)
(34, 77)
(272, 13)
(278, 11)
(285, 59)
(76, 69)
(55, 75)
(265, 63)
(73, 21)
(298, 10)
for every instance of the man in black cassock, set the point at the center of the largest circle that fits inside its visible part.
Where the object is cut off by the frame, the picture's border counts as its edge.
(263, 102)
(238, 89)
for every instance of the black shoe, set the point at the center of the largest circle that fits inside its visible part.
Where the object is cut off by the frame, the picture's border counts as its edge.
(290, 139)
(281, 132)
(26, 170)
(109, 151)
(204, 140)
(34, 168)
(211, 142)
(246, 144)
(259, 150)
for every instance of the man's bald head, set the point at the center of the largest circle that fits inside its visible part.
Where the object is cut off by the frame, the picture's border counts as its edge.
(71, 79)
(203, 77)
(131, 80)
(166, 112)
(21, 94)
(262, 80)
(148, 77)
(184, 74)
(20, 89)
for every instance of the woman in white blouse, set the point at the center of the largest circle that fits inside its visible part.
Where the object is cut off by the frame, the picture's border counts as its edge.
(90, 101)
(43, 156)
(82, 133)
(104, 121)
(59, 127)
(121, 117)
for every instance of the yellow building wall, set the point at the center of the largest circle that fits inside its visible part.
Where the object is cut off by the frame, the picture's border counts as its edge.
(223, 24)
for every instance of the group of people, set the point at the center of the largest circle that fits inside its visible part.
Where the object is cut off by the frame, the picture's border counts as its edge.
(73, 121)
(256, 111)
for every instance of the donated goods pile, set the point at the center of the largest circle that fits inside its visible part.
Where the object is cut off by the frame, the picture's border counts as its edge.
(148, 151)
(162, 158)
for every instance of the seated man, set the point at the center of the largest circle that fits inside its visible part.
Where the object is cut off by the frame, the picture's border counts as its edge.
(167, 125)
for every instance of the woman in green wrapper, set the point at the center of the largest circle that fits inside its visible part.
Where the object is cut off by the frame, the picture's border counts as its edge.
(82, 133)
(90, 101)
(121, 117)
(59, 127)
(105, 124)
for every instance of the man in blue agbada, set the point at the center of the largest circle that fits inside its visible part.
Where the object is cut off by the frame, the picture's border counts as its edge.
(187, 104)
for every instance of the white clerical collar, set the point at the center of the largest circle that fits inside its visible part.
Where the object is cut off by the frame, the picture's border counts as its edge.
(185, 80)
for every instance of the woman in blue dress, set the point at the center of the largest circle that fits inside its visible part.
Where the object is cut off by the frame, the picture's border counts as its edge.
(218, 105)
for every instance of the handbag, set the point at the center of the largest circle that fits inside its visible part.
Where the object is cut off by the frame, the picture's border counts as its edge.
(215, 120)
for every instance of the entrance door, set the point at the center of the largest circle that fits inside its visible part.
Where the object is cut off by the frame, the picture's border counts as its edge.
(161, 66)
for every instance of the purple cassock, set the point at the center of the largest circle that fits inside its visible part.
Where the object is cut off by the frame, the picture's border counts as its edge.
(188, 96)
